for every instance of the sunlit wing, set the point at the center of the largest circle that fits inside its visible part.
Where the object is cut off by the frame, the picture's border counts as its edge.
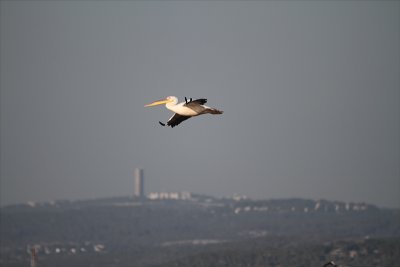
(200, 101)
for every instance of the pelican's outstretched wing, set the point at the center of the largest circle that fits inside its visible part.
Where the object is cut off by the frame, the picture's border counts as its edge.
(176, 119)
(200, 101)
(196, 105)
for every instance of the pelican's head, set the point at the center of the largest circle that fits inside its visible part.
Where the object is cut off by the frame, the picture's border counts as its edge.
(169, 99)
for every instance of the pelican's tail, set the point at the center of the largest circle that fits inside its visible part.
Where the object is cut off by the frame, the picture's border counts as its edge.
(213, 111)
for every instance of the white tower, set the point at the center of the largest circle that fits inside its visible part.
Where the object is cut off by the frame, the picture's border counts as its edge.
(139, 183)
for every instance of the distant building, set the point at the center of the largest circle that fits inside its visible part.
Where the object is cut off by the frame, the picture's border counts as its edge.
(139, 183)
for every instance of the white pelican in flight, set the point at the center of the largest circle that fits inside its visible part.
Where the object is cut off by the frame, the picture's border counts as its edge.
(184, 110)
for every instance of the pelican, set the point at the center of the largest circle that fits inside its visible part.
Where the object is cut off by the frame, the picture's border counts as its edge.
(184, 110)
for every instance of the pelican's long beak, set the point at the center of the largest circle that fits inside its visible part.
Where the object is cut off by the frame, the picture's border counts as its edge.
(158, 102)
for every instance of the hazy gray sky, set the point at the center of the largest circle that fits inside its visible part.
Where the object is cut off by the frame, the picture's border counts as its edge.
(310, 92)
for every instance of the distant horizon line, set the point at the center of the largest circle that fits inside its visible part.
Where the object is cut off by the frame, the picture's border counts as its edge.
(235, 196)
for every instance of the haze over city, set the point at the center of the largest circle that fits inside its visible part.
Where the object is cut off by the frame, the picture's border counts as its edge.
(310, 94)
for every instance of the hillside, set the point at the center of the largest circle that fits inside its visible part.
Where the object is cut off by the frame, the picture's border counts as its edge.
(199, 231)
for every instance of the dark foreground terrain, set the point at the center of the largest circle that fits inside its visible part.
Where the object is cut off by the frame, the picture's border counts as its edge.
(199, 231)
